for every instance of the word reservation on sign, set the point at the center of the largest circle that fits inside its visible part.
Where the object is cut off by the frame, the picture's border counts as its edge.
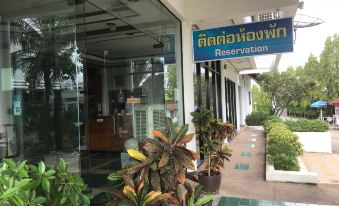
(259, 38)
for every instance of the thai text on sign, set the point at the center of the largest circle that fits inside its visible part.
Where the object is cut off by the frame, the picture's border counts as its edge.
(252, 39)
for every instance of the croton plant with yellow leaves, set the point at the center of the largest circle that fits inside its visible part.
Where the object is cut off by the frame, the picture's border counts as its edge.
(157, 176)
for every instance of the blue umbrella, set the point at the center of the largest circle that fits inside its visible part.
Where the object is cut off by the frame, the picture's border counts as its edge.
(319, 104)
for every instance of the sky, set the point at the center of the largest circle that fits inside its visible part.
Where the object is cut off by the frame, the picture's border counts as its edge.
(311, 40)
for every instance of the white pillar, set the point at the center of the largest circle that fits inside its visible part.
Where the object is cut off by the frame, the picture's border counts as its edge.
(188, 67)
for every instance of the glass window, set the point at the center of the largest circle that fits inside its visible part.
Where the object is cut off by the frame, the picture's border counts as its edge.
(80, 78)
(230, 99)
(207, 87)
(153, 19)
(40, 82)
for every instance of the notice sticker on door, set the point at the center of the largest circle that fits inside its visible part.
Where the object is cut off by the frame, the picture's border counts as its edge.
(16, 105)
(133, 100)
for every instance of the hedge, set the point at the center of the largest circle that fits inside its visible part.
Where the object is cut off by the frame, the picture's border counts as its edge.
(256, 118)
(270, 122)
(283, 146)
(304, 125)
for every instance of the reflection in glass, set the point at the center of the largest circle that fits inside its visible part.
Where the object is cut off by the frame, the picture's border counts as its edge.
(40, 77)
(84, 77)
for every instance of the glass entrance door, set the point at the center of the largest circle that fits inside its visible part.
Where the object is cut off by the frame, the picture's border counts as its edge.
(125, 91)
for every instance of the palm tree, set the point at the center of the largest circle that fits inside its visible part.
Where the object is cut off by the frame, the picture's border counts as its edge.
(46, 45)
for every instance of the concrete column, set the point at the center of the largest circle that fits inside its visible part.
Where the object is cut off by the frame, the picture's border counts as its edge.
(238, 106)
(223, 95)
(188, 67)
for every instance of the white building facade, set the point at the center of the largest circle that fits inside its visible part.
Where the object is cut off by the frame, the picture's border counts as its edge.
(200, 14)
(78, 78)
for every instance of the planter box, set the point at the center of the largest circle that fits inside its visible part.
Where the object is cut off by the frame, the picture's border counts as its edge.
(315, 141)
(302, 176)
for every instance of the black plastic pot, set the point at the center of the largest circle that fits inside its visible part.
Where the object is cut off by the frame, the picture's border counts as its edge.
(210, 183)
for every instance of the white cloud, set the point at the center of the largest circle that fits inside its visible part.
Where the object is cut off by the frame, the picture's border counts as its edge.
(311, 40)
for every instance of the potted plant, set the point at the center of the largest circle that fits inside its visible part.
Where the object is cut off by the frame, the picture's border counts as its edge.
(158, 170)
(212, 133)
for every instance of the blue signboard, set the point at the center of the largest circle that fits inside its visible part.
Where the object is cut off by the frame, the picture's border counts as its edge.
(266, 37)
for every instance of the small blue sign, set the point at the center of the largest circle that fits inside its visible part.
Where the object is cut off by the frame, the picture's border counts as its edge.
(169, 48)
(253, 39)
(16, 105)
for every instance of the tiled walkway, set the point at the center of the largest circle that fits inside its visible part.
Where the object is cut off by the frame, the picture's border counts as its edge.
(325, 165)
(244, 176)
(234, 201)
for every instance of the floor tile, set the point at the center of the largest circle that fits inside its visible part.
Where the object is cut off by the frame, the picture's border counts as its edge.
(266, 203)
(246, 154)
(222, 201)
(235, 201)
(229, 201)
(249, 145)
(255, 202)
(289, 204)
(244, 202)
(278, 203)
(241, 166)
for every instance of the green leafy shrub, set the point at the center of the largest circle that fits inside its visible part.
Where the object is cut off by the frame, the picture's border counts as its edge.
(285, 162)
(270, 121)
(283, 147)
(30, 185)
(304, 125)
(256, 118)
(273, 118)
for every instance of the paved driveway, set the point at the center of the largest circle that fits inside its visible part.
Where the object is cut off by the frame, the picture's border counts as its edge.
(248, 180)
(335, 140)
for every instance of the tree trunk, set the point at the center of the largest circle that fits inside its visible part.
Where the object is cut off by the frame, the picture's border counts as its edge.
(57, 120)
(45, 137)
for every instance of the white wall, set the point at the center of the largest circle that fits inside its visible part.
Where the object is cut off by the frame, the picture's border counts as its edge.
(188, 67)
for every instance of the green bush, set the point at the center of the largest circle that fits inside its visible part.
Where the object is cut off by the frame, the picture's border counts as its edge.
(283, 147)
(304, 125)
(256, 118)
(285, 162)
(270, 121)
(38, 185)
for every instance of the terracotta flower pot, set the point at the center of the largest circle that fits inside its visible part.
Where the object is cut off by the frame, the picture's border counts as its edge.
(210, 183)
